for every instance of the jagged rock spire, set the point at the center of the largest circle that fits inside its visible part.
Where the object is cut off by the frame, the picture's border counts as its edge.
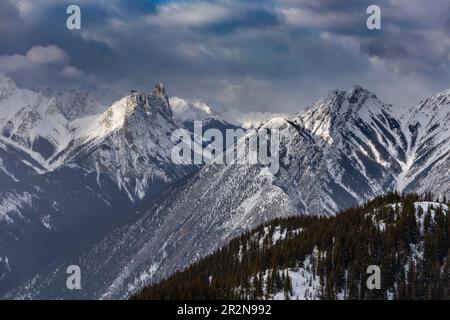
(159, 90)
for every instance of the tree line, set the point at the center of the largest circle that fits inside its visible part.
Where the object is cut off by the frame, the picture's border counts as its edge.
(409, 243)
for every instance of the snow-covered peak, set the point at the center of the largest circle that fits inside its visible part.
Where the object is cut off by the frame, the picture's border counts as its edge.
(98, 126)
(251, 120)
(278, 122)
(189, 110)
(127, 112)
(158, 101)
(330, 115)
(31, 120)
(159, 90)
(47, 121)
(7, 86)
(436, 102)
(432, 116)
(195, 110)
(130, 142)
(345, 103)
(76, 103)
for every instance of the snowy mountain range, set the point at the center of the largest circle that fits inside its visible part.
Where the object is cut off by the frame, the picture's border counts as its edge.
(101, 191)
(65, 181)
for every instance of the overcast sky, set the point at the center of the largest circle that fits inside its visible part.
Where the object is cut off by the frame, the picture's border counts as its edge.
(262, 55)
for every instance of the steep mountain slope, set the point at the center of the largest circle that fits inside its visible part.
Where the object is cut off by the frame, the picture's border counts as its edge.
(32, 120)
(428, 163)
(130, 144)
(16, 163)
(343, 150)
(110, 163)
(327, 258)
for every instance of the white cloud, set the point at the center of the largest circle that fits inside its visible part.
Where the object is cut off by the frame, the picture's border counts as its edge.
(307, 17)
(31, 9)
(72, 72)
(34, 57)
(46, 54)
(255, 119)
(263, 56)
(189, 14)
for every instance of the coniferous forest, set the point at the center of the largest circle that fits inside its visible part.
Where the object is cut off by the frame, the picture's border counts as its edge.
(406, 236)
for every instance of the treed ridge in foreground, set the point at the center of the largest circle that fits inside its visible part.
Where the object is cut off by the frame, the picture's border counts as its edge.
(407, 236)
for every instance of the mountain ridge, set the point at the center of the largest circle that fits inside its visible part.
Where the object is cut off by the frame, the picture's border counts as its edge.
(345, 149)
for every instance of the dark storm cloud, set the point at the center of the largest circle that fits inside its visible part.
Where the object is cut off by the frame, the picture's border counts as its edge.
(385, 49)
(252, 55)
